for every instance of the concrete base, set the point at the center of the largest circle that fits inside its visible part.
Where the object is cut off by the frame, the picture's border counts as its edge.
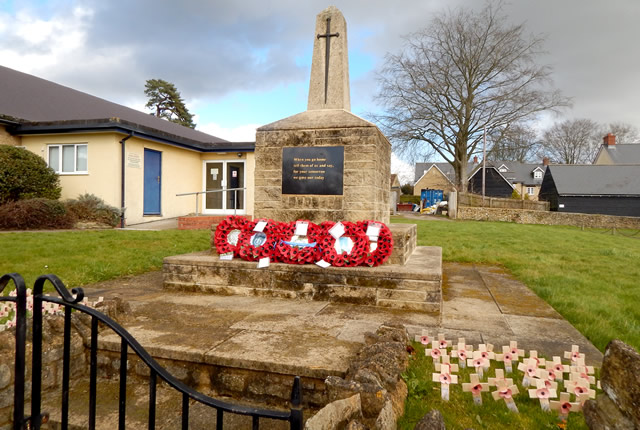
(416, 286)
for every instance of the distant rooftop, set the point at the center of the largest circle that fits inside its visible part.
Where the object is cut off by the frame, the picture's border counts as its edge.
(39, 106)
(593, 179)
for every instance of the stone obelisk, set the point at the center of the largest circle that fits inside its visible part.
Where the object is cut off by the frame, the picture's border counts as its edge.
(329, 84)
(325, 163)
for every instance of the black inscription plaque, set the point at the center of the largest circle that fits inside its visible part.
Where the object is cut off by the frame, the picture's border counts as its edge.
(313, 170)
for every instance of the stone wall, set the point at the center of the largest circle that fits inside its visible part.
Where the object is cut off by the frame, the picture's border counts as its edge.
(618, 407)
(520, 216)
(367, 158)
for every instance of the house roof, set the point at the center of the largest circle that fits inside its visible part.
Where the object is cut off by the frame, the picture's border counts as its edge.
(592, 179)
(445, 168)
(519, 173)
(394, 181)
(41, 106)
(625, 153)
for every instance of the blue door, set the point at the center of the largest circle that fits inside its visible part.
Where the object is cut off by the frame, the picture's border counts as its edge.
(152, 182)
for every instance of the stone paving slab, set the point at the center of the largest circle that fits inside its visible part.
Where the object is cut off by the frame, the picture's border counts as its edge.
(316, 338)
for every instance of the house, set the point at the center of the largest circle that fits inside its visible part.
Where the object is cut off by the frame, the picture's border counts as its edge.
(434, 176)
(593, 189)
(611, 153)
(501, 178)
(130, 159)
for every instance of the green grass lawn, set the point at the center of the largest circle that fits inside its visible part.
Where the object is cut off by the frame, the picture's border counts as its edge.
(84, 257)
(461, 413)
(590, 278)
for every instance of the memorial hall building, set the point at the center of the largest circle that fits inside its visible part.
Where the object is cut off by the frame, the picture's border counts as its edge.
(130, 159)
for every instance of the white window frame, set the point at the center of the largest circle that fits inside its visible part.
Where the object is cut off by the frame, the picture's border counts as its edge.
(537, 174)
(531, 191)
(58, 168)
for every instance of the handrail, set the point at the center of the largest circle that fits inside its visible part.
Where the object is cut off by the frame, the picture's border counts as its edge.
(71, 300)
(219, 190)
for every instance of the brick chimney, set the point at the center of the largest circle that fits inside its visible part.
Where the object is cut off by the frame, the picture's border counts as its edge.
(475, 159)
(545, 161)
(609, 140)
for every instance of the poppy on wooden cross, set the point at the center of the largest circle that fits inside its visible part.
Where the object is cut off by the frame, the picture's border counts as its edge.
(493, 382)
(574, 355)
(530, 370)
(542, 393)
(445, 378)
(506, 392)
(446, 360)
(462, 352)
(475, 387)
(563, 405)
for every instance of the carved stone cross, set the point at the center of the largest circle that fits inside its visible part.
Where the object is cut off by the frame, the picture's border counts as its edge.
(328, 35)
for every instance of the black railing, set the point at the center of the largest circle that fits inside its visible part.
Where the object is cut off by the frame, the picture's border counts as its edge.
(70, 301)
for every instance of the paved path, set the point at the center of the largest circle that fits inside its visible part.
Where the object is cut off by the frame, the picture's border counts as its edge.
(481, 303)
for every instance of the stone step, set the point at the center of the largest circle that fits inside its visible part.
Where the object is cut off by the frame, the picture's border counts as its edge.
(429, 307)
(420, 279)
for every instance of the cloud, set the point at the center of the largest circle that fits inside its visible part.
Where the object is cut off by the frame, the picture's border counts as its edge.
(404, 170)
(243, 133)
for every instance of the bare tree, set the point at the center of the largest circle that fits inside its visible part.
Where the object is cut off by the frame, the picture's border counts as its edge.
(466, 70)
(624, 132)
(572, 141)
(519, 142)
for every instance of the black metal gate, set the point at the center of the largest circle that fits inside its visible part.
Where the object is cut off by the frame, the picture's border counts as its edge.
(71, 300)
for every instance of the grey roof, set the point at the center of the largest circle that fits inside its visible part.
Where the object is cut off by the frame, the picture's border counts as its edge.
(625, 153)
(445, 168)
(593, 179)
(518, 172)
(40, 105)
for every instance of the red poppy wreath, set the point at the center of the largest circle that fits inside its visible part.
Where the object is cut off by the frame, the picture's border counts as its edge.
(296, 248)
(227, 234)
(254, 245)
(378, 251)
(349, 250)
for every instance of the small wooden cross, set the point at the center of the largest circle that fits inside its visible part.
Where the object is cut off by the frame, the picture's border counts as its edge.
(550, 377)
(441, 343)
(507, 357)
(506, 392)
(586, 372)
(435, 353)
(542, 393)
(574, 354)
(534, 354)
(530, 370)
(475, 387)
(564, 406)
(446, 360)
(557, 365)
(493, 382)
(479, 363)
(445, 378)
(579, 386)
(462, 352)
(423, 338)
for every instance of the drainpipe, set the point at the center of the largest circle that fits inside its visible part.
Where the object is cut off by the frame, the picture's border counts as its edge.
(122, 178)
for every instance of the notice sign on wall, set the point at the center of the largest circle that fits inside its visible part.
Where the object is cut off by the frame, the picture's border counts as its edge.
(313, 170)
(133, 160)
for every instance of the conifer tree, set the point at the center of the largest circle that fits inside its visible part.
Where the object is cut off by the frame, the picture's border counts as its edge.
(166, 102)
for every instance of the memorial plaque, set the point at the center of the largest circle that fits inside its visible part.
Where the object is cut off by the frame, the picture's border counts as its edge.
(313, 170)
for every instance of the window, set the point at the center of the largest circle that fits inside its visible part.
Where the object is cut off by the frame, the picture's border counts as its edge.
(68, 158)
(537, 174)
(503, 169)
(531, 190)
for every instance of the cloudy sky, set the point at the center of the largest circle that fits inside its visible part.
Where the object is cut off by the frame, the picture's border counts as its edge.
(241, 64)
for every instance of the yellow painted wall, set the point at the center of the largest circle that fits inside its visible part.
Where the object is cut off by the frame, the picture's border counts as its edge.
(182, 172)
(7, 139)
(103, 162)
